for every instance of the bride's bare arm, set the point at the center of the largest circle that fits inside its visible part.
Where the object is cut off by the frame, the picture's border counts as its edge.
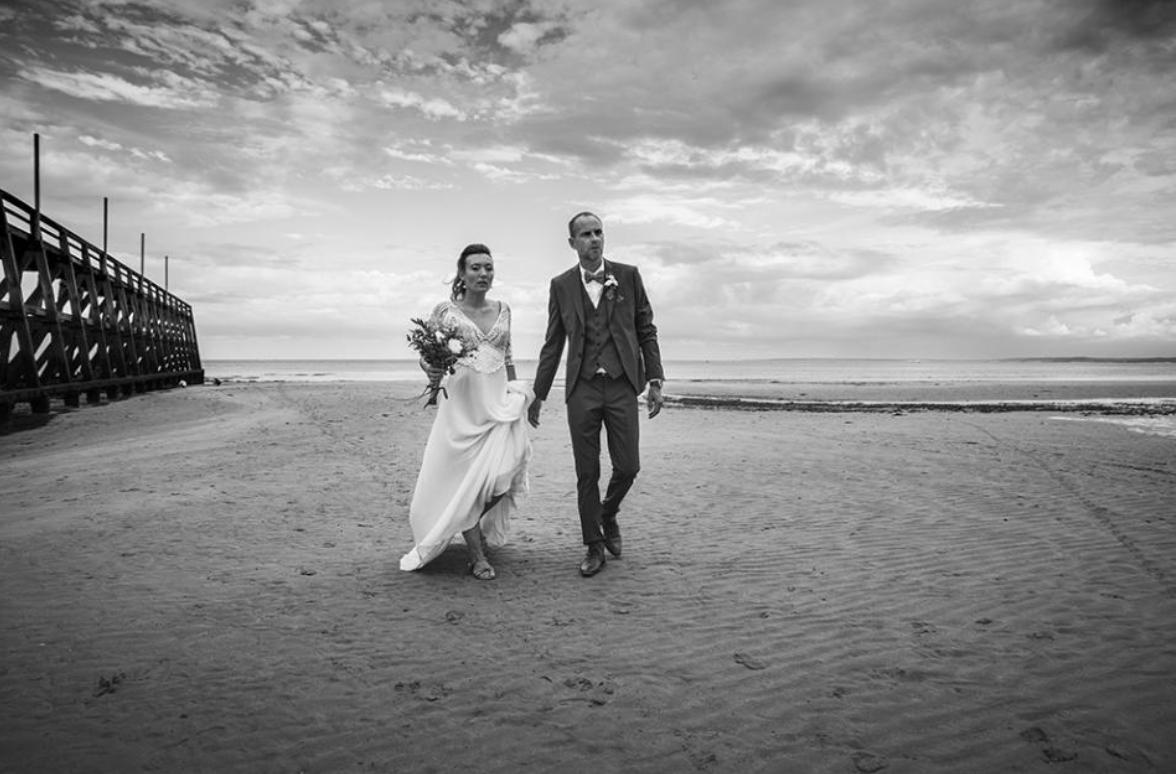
(510, 369)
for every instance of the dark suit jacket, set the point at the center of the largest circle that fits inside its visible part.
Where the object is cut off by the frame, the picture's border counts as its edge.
(630, 319)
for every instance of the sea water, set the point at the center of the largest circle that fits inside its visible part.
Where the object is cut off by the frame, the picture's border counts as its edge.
(781, 370)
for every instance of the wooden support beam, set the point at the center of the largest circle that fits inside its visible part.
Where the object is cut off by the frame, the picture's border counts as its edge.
(88, 326)
(22, 370)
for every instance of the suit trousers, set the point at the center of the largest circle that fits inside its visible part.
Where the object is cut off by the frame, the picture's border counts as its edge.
(603, 401)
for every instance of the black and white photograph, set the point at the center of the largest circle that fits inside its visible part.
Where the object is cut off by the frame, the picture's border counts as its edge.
(626, 386)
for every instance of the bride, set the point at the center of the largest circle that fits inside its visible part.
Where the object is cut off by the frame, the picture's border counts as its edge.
(478, 452)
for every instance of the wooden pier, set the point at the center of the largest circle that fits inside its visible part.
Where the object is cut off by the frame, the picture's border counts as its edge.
(74, 321)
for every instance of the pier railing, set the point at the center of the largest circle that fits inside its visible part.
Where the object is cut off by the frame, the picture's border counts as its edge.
(74, 321)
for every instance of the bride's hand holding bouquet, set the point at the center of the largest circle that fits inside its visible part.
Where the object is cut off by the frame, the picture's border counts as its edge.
(440, 347)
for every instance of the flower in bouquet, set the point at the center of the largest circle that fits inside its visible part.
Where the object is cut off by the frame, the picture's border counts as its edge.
(440, 346)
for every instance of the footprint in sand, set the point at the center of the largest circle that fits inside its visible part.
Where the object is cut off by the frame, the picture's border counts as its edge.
(751, 662)
(868, 763)
(109, 684)
(422, 691)
(597, 693)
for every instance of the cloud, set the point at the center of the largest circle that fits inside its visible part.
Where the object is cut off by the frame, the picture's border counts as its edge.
(650, 208)
(434, 108)
(177, 93)
(77, 23)
(399, 182)
(524, 37)
(815, 261)
(421, 151)
(200, 207)
(108, 145)
(1101, 24)
(905, 199)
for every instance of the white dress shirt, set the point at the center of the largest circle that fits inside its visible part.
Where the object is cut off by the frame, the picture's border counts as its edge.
(595, 289)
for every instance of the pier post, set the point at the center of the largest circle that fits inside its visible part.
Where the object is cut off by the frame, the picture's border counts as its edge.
(36, 186)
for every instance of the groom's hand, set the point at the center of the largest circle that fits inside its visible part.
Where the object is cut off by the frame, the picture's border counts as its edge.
(533, 412)
(654, 399)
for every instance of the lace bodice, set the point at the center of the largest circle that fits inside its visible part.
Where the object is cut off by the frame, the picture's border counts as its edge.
(492, 350)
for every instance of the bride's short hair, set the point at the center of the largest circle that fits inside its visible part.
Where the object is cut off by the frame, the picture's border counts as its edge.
(457, 287)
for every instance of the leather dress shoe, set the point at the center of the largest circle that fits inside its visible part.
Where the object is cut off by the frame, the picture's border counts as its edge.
(593, 561)
(612, 538)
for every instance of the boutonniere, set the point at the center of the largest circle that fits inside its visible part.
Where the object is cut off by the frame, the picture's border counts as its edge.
(612, 289)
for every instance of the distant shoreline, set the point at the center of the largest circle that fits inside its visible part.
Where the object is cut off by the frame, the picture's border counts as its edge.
(704, 360)
(1130, 407)
(798, 371)
(1152, 396)
(1088, 360)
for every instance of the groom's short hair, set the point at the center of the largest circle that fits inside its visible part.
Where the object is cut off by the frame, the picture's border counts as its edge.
(577, 216)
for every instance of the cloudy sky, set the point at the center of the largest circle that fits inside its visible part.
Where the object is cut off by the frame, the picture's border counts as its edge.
(795, 178)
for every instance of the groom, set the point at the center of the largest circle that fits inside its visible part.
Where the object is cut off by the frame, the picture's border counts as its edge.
(601, 309)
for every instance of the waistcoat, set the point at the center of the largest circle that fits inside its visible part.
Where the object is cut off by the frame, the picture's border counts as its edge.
(600, 351)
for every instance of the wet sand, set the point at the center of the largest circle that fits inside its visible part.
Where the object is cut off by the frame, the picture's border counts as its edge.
(206, 580)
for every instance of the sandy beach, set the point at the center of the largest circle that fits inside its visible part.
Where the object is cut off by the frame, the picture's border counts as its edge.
(206, 580)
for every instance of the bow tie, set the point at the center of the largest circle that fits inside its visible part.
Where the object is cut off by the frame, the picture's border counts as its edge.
(597, 277)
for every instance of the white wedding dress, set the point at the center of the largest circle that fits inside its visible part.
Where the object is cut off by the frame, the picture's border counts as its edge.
(479, 446)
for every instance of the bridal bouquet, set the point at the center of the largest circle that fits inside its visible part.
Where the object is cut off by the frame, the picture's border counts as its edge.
(441, 346)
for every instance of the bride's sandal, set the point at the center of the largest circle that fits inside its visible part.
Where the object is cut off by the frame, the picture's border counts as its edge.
(482, 570)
